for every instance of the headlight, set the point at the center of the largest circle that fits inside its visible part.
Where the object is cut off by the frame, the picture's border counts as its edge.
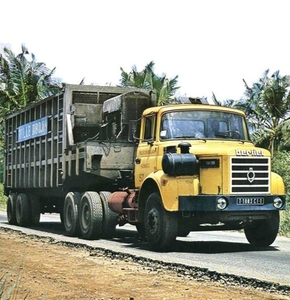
(278, 203)
(222, 203)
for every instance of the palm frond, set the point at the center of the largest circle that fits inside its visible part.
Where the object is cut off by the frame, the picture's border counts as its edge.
(24, 80)
(163, 87)
(267, 106)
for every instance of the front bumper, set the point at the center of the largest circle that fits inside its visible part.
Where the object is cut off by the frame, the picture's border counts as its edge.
(208, 203)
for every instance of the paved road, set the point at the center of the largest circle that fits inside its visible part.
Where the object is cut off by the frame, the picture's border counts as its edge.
(223, 252)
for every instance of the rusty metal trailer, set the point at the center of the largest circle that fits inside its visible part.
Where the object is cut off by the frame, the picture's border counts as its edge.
(65, 145)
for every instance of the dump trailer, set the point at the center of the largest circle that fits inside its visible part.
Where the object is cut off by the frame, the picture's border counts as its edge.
(104, 156)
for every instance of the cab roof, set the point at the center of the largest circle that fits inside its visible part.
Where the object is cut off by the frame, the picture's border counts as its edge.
(178, 107)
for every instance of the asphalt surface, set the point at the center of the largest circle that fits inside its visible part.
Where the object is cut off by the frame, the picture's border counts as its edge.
(222, 252)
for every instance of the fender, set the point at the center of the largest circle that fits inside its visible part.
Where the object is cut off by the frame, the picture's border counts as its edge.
(171, 187)
(277, 184)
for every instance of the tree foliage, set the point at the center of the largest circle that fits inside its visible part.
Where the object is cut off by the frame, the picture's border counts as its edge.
(266, 105)
(23, 80)
(163, 87)
(281, 165)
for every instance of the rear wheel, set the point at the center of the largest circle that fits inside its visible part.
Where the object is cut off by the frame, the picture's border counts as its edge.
(35, 209)
(91, 215)
(70, 213)
(11, 209)
(109, 217)
(23, 216)
(160, 225)
(262, 233)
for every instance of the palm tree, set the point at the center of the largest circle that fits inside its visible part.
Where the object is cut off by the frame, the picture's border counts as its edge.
(228, 102)
(267, 106)
(23, 81)
(163, 87)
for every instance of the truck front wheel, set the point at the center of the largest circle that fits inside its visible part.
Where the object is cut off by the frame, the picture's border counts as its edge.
(262, 233)
(91, 215)
(70, 214)
(160, 225)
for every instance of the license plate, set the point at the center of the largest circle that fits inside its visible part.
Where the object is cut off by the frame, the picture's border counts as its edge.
(250, 201)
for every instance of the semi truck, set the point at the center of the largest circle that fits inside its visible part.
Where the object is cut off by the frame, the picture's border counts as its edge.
(103, 156)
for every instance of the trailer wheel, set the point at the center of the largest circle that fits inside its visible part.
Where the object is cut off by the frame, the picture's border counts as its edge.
(262, 233)
(70, 213)
(91, 215)
(160, 225)
(11, 209)
(22, 210)
(35, 209)
(109, 217)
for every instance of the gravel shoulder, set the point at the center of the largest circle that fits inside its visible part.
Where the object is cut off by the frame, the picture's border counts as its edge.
(46, 269)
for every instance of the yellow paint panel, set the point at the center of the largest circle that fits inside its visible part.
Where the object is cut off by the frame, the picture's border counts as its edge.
(172, 187)
(211, 181)
(277, 184)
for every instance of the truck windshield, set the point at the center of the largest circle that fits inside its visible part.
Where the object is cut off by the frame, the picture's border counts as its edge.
(199, 124)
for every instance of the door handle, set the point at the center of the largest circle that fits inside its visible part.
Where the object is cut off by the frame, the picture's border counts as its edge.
(138, 160)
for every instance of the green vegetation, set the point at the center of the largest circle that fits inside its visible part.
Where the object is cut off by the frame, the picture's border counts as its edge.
(285, 223)
(3, 198)
(163, 87)
(281, 165)
(267, 106)
(23, 80)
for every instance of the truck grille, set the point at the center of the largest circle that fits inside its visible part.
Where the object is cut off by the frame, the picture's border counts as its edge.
(250, 175)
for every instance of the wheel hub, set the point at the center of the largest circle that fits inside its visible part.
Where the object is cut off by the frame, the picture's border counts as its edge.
(86, 217)
(153, 221)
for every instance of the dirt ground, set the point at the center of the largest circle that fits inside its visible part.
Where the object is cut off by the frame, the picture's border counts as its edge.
(44, 269)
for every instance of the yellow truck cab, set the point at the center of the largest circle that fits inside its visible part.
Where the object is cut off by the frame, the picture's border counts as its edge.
(196, 169)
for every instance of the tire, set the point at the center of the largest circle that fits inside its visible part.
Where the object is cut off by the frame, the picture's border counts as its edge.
(109, 217)
(183, 232)
(70, 214)
(160, 225)
(141, 231)
(263, 233)
(35, 209)
(61, 218)
(11, 209)
(23, 216)
(91, 215)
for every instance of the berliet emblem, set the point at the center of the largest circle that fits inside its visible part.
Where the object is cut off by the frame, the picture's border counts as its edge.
(251, 175)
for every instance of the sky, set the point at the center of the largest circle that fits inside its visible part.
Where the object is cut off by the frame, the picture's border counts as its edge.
(211, 45)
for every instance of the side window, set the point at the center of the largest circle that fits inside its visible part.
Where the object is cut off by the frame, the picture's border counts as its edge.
(149, 127)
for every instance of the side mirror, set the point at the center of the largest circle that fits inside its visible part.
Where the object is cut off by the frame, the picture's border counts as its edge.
(134, 130)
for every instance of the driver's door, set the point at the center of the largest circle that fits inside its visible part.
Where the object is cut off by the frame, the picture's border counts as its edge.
(147, 151)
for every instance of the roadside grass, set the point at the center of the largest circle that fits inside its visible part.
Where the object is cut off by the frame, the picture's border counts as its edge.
(285, 222)
(3, 199)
